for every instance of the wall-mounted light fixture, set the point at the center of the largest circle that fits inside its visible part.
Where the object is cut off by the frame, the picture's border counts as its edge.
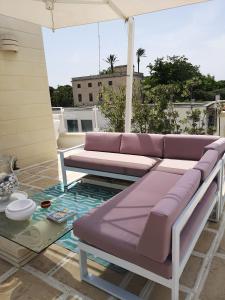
(8, 42)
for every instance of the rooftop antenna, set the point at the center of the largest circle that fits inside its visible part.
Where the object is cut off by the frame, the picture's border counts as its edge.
(99, 50)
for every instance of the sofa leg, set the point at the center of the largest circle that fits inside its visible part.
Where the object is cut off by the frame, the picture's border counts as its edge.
(218, 210)
(175, 290)
(83, 264)
(64, 178)
(63, 171)
(219, 207)
(221, 183)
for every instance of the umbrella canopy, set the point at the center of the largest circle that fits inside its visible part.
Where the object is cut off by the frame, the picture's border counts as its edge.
(64, 13)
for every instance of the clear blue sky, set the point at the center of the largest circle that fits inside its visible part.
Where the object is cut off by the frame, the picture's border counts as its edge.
(197, 31)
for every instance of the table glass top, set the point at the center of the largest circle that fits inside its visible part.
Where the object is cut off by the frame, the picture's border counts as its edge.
(38, 232)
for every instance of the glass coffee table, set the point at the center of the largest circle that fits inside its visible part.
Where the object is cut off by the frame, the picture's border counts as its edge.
(21, 241)
(37, 233)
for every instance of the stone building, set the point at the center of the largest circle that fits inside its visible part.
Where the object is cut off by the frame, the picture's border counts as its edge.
(87, 89)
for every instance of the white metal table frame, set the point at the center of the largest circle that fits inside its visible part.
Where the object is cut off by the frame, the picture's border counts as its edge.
(178, 264)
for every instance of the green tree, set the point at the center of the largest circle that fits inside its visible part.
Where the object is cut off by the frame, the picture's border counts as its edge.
(220, 84)
(173, 69)
(178, 70)
(62, 96)
(208, 83)
(195, 121)
(111, 60)
(141, 116)
(113, 107)
(140, 53)
(189, 86)
(173, 118)
(154, 114)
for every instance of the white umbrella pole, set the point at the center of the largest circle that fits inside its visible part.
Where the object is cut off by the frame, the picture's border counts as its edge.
(130, 70)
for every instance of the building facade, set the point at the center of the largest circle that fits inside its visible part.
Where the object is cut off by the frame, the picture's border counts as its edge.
(87, 89)
(89, 118)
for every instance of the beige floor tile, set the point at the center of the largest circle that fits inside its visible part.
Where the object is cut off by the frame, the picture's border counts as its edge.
(107, 274)
(214, 225)
(24, 187)
(73, 298)
(24, 286)
(191, 271)
(160, 292)
(22, 176)
(34, 191)
(50, 173)
(73, 176)
(69, 275)
(214, 288)
(136, 284)
(205, 241)
(53, 163)
(36, 170)
(4, 266)
(29, 190)
(221, 248)
(47, 260)
(29, 179)
(44, 182)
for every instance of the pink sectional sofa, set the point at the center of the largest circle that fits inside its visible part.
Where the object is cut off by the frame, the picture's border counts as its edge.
(151, 227)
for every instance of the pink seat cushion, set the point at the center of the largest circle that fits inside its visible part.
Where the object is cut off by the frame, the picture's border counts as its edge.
(189, 147)
(207, 163)
(118, 224)
(218, 145)
(103, 141)
(142, 144)
(162, 217)
(131, 165)
(177, 166)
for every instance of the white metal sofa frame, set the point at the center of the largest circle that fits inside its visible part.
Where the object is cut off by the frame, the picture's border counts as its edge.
(87, 171)
(178, 265)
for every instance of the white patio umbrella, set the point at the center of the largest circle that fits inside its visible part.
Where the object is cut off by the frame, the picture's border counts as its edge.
(64, 13)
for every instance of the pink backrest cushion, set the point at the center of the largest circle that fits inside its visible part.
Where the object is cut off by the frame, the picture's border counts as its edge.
(218, 145)
(103, 141)
(142, 144)
(207, 163)
(186, 146)
(155, 241)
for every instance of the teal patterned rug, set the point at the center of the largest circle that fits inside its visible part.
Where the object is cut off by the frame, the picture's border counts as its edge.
(82, 197)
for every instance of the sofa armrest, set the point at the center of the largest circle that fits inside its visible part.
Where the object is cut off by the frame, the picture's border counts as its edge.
(218, 145)
(155, 241)
(207, 163)
(70, 149)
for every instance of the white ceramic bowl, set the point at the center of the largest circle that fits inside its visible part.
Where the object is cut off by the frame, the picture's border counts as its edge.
(20, 210)
(18, 195)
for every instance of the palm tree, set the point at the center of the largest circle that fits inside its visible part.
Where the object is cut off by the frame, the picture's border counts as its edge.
(140, 53)
(111, 59)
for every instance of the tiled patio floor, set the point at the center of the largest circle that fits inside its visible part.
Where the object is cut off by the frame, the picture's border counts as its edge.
(54, 274)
